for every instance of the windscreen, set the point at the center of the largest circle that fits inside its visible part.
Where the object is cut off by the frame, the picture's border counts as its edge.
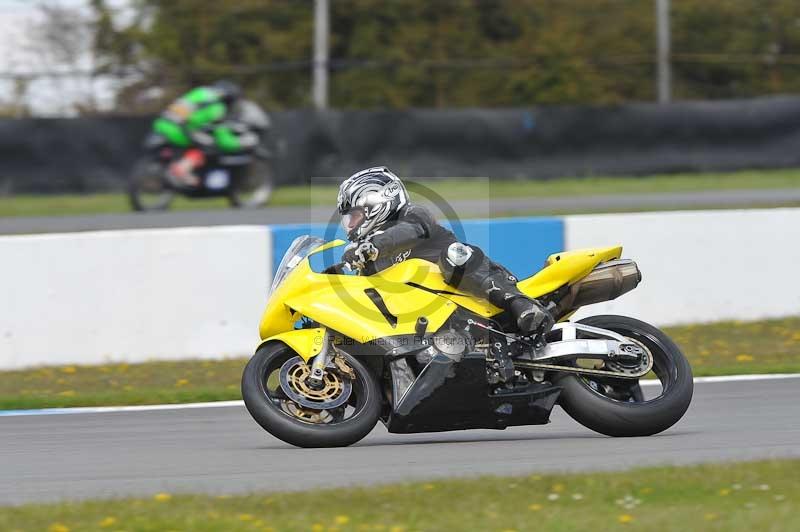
(298, 250)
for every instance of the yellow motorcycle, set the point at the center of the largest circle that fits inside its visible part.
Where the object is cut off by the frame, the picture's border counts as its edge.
(341, 351)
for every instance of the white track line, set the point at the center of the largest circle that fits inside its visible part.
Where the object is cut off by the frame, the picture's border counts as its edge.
(222, 404)
(731, 378)
(106, 409)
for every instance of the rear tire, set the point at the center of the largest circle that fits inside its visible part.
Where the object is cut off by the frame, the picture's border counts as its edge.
(613, 417)
(254, 188)
(262, 405)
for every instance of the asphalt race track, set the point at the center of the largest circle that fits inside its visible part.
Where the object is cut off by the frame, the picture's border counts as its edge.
(221, 450)
(463, 208)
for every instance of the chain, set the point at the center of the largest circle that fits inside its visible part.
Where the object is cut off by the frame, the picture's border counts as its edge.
(584, 371)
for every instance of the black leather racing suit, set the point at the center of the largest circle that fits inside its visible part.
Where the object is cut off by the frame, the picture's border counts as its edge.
(416, 234)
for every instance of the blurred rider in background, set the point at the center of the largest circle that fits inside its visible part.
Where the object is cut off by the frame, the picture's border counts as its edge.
(205, 119)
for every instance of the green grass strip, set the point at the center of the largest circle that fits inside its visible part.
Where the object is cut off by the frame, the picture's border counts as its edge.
(730, 497)
(450, 189)
(726, 348)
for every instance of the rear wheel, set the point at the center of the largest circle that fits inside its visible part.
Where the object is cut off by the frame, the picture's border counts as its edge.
(339, 413)
(620, 407)
(254, 185)
(147, 188)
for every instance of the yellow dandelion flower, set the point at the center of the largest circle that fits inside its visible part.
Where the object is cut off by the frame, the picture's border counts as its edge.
(58, 527)
(396, 528)
(69, 369)
(181, 382)
(245, 517)
(162, 497)
(342, 519)
(558, 488)
(535, 507)
(710, 516)
(108, 521)
(724, 492)
(428, 487)
(744, 358)
(625, 519)
(646, 491)
(67, 393)
(316, 527)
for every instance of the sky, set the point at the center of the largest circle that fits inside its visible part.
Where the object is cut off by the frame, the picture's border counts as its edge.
(22, 51)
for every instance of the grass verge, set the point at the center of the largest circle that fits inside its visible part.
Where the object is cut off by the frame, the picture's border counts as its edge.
(725, 348)
(730, 497)
(451, 189)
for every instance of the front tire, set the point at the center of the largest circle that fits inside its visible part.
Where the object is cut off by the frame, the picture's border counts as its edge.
(147, 188)
(263, 400)
(589, 402)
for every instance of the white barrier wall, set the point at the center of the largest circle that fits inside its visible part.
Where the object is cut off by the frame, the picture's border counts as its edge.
(700, 266)
(84, 298)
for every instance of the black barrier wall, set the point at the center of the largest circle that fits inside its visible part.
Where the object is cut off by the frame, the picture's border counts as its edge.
(95, 154)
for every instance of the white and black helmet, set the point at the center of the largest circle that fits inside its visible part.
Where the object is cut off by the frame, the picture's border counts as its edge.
(368, 199)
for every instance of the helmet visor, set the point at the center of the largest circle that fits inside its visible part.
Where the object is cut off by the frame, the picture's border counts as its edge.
(353, 218)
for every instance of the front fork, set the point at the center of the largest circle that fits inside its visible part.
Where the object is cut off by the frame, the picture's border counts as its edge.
(329, 357)
(321, 361)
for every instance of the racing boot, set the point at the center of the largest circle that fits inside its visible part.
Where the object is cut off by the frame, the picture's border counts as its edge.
(182, 171)
(531, 317)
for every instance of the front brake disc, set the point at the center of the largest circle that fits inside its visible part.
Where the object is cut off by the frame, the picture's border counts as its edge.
(293, 378)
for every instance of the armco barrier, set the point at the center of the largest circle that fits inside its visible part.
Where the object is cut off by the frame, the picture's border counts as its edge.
(85, 298)
(701, 266)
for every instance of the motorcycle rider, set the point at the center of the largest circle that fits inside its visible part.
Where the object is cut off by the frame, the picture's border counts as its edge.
(384, 228)
(204, 117)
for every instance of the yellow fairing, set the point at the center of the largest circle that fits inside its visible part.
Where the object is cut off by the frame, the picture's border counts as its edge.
(566, 267)
(427, 274)
(343, 303)
(305, 342)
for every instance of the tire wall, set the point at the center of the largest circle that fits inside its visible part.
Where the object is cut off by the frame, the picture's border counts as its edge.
(95, 154)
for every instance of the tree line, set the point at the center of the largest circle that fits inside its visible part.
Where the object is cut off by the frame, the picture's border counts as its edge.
(450, 53)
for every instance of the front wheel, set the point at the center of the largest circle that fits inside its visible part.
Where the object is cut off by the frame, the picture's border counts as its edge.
(276, 392)
(147, 187)
(619, 407)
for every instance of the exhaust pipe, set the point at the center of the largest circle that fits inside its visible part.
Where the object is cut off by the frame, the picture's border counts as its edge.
(607, 281)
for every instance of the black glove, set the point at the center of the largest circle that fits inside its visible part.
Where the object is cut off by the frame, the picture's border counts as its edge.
(358, 254)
